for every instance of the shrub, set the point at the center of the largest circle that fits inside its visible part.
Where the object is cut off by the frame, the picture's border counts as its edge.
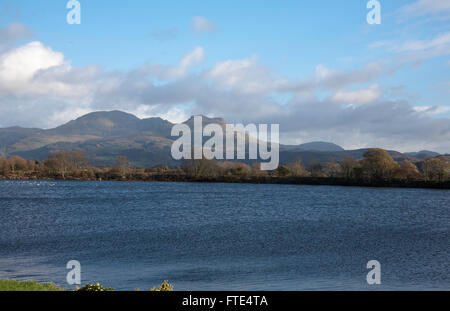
(164, 287)
(94, 288)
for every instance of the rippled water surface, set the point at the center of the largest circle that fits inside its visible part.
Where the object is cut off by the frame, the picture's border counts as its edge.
(224, 236)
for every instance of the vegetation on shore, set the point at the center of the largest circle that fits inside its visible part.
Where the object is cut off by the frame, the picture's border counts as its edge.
(377, 168)
(27, 286)
(33, 286)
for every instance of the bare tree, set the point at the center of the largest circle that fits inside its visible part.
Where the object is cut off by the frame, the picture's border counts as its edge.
(435, 169)
(297, 168)
(348, 164)
(62, 162)
(4, 167)
(122, 166)
(316, 168)
(333, 169)
(17, 163)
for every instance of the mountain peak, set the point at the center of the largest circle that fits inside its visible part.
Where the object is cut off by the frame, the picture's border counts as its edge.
(101, 123)
(115, 115)
(423, 154)
(206, 120)
(320, 146)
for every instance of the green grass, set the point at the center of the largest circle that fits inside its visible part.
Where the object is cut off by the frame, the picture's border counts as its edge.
(33, 286)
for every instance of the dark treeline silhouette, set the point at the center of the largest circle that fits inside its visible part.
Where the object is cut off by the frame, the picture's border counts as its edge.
(377, 168)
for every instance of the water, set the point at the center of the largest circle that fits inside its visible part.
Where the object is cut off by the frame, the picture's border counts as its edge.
(224, 236)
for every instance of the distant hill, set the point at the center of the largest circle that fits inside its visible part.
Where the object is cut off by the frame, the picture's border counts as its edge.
(11, 135)
(423, 155)
(308, 157)
(146, 142)
(102, 135)
(113, 123)
(320, 146)
(314, 146)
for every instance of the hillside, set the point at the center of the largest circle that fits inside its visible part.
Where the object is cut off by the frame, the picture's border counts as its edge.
(146, 142)
(320, 146)
(422, 155)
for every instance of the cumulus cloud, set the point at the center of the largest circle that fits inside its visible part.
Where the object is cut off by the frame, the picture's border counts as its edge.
(202, 24)
(20, 65)
(35, 69)
(336, 79)
(12, 33)
(325, 78)
(244, 75)
(362, 96)
(39, 87)
(387, 124)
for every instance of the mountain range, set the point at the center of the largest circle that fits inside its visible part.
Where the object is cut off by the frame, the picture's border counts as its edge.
(146, 142)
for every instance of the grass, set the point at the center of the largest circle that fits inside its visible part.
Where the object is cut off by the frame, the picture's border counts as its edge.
(25, 286)
(33, 286)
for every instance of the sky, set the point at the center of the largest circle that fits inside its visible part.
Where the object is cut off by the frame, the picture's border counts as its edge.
(317, 68)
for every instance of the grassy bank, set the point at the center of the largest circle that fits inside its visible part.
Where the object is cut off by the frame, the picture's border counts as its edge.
(33, 286)
(26, 286)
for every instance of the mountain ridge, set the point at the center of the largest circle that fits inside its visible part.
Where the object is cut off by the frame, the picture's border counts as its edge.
(104, 135)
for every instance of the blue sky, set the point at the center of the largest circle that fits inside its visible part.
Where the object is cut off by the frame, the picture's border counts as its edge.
(290, 37)
(275, 62)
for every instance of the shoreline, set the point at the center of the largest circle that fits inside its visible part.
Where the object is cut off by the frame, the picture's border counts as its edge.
(292, 180)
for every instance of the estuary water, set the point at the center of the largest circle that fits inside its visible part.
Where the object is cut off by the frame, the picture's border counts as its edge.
(131, 235)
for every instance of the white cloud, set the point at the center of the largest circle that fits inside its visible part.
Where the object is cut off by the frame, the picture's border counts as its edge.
(362, 96)
(244, 75)
(425, 7)
(21, 64)
(174, 115)
(202, 24)
(417, 51)
(325, 78)
(39, 87)
(441, 41)
(34, 69)
(189, 60)
(432, 109)
(192, 58)
(338, 79)
(13, 32)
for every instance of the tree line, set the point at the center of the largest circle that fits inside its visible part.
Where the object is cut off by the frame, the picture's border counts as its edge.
(376, 168)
